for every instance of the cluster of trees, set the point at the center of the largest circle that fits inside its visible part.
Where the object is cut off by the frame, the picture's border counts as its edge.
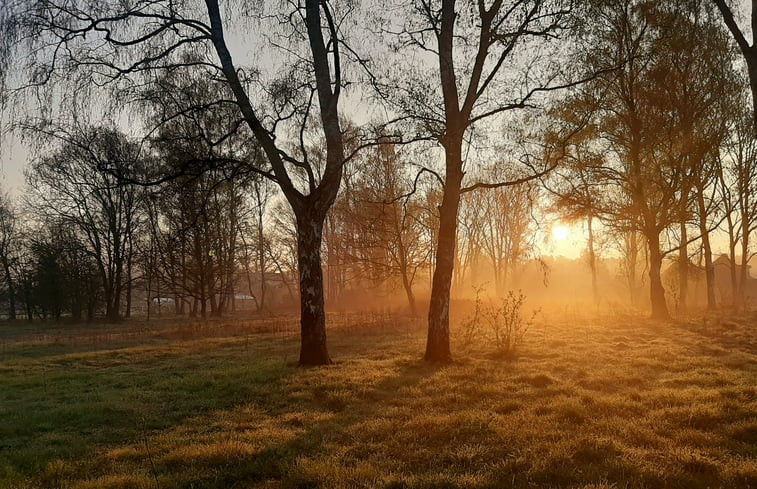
(385, 132)
(662, 142)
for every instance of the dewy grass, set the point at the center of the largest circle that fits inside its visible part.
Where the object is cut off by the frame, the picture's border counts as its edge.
(590, 404)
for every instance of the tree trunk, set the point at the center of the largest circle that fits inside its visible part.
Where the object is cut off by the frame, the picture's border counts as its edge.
(751, 60)
(592, 259)
(11, 290)
(313, 350)
(322, 196)
(149, 287)
(215, 309)
(683, 270)
(261, 253)
(732, 262)
(744, 260)
(437, 343)
(631, 259)
(497, 269)
(657, 291)
(111, 313)
(127, 311)
(409, 291)
(709, 267)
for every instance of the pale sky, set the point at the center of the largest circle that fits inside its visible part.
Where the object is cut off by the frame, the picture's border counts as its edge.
(570, 242)
(13, 158)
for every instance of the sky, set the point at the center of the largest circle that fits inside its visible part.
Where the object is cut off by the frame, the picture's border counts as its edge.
(13, 158)
(559, 240)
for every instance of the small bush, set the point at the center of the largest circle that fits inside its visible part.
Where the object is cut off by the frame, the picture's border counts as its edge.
(472, 324)
(507, 323)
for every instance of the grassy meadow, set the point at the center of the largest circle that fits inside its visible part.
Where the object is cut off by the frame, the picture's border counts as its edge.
(586, 403)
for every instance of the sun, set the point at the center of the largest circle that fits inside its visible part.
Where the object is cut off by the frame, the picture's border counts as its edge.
(560, 232)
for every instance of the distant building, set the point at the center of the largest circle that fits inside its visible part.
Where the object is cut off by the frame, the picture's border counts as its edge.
(723, 281)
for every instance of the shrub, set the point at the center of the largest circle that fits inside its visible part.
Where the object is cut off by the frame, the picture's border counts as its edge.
(507, 323)
(472, 324)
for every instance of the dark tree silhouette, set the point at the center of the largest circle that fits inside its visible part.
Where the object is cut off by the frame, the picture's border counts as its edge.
(126, 46)
(748, 51)
(482, 69)
(73, 185)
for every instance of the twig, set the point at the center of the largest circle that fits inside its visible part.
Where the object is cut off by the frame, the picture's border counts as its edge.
(149, 455)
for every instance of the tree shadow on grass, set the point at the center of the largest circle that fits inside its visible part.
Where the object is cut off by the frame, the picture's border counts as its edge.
(67, 411)
(374, 420)
(328, 419)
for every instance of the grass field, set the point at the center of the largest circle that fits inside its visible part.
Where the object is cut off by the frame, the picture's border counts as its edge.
(624, 403)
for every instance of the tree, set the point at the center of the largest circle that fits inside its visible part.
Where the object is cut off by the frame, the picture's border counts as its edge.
(260, 248)
(128, 45)
(386, 215)
(697, 90)
(9, 244)
(503, 224)
(74, 185)
(575, 185)
(738, 174)
(749, 52)
(654, 120)
(202, 205)
(487, 63)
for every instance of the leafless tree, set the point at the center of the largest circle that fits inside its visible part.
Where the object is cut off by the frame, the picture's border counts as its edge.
(388, 218)
(738, 184)
(504, 225)
(9, 250)
(71, 183)
(575, 185)
(485, 60)
(127, 45)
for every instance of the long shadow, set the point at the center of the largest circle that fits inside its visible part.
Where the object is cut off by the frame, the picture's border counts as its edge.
(271, 391)
(276, 461)
(735, 333)
(66, 410)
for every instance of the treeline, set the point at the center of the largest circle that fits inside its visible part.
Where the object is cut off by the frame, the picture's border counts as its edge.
(414, 139)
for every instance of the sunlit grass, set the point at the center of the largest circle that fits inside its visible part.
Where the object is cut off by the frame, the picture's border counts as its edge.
(590, 404)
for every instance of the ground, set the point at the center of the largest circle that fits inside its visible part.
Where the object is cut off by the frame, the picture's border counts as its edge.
(586, 403)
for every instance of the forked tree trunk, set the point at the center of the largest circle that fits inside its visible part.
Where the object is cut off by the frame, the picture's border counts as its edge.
(313, 350)
(656, 290)
(437, 343)
(409, 293)
(310, 209)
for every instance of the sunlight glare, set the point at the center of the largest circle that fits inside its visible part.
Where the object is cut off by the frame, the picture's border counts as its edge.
(560, 233)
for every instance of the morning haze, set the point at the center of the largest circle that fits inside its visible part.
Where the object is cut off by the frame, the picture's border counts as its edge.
(417, 244)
